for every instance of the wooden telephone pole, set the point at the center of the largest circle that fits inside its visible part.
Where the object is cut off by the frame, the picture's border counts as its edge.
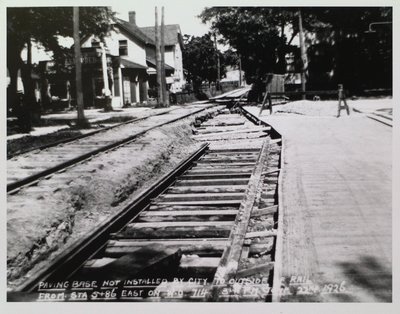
(81, 120)
(160, 101)
(218, 61)
(163, 78)
(303, 56)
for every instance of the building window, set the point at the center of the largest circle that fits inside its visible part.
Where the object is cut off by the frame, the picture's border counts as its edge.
(123, 47)
(95, 43)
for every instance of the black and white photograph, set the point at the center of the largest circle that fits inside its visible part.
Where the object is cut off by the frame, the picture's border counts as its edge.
(200, 153)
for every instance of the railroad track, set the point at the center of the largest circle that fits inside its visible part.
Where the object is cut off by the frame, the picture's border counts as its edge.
(29, 168)
(380, 116)
(75, 138)
(205, 232)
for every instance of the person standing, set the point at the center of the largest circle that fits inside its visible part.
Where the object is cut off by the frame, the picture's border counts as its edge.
(342, 97)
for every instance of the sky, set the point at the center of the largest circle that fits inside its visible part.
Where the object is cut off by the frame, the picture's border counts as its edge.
(176, 12)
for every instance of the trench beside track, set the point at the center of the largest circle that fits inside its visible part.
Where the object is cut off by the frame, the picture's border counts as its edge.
(28, 168)
(210, 221)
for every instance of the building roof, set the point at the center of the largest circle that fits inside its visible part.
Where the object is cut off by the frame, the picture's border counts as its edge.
(134, 31)
(152, 63)
(130, 64)
(172, 34)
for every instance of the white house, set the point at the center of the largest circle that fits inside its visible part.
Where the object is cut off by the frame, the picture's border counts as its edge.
(173, 55)
(126, 66)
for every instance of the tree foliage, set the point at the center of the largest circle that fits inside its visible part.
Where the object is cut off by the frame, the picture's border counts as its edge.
(44, 25)
(339, 50)
(200, 59)
(256, 33)
(344, 47)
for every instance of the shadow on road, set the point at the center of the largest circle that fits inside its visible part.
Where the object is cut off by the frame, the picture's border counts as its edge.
(369, 276)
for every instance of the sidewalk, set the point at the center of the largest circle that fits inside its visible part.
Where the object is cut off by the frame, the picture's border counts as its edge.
(337, 203)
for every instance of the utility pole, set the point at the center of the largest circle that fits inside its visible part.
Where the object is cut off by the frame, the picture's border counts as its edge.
(240, 70)
(163, 79)
(106, 90)
(160, 102)
(218, 62)
(303, 56)
(81, 120)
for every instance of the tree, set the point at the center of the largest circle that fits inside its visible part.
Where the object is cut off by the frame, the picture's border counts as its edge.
(258, 34)
(355, 57)
(44, 25)
(200, 60)
(255, 33)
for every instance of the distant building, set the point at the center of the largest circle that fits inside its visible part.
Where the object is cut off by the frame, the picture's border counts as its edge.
(233, 79)
(125, 49)
(126, 57)
(173, 55)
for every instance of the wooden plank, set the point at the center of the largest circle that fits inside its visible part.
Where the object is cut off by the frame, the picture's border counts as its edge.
(229, 157)
(213, 170)
(261, 234)
(232, 150)
(244, 136)
(227, 160)
(278, 253)
(231, 164)
(98, 263)
(224, 155)
(245, 252)
(219, 167)
(211, 182)
(161, 206)
(197, 262)
(201, 247)
(197, 267)
(269, 195)
(248, 130)
(275, 141)
(230, 259)
(177, 224)
(200, 197)
(223, 124)
(189, 215)
(208, 189)
(220, 129)
(264, 211)
(180, 229)
(215, 176)
(259, 269)
(269, 172)
(201, 202)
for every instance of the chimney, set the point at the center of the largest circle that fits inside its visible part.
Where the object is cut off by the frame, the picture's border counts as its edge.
(132, 17)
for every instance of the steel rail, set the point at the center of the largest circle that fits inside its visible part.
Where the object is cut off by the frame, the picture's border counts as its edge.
(78, 137)
(27, 180)
(275, 295)
(75, 256)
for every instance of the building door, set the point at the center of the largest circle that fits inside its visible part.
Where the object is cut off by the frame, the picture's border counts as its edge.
(127, 90)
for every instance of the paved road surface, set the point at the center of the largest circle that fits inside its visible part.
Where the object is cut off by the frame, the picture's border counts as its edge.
(337, 204)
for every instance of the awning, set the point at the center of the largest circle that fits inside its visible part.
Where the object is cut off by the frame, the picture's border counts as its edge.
(152, 63)
(130, 64)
